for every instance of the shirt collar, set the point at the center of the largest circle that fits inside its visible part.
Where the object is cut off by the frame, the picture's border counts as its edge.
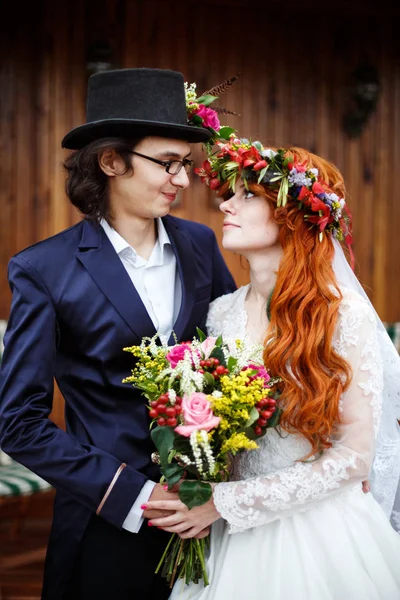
(120, 244)
(162, 234)
(115, 238)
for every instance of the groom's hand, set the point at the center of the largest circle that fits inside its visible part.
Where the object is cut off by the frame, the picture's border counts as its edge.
(159, 493)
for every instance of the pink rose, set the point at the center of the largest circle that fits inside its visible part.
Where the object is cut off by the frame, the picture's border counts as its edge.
(208, 346)
(261, 373)
(209, 116)
(177, 353)
(197, 414)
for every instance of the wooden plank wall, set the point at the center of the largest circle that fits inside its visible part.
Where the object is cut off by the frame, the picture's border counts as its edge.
(296, 64)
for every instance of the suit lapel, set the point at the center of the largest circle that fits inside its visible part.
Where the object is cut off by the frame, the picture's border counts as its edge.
(184, 253)
(98, 256)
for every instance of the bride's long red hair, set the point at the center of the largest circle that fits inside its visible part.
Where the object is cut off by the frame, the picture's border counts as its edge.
(304, 312)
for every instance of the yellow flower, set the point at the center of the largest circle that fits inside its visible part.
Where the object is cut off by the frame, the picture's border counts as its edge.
(223, 425)
(237, 442)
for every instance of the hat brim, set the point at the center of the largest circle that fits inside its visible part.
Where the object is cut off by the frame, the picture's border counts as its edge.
(89, 132)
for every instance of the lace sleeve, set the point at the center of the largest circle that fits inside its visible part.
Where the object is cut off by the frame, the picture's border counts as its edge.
(226, 315)
(215, 316)
(298, 487)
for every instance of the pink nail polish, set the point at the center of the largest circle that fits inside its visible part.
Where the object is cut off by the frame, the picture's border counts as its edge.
(165, 488)
(150, 524)
(144, 506)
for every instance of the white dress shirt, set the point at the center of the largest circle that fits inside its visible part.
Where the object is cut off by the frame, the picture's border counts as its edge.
(158, 284)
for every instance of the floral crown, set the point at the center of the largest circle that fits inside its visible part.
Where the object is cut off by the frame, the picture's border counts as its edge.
(255, 164)
(200, 114)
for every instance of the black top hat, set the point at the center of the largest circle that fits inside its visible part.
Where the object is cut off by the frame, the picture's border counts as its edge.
(135, 103)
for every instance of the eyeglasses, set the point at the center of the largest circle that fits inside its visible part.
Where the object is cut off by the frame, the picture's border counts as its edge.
(171, 166)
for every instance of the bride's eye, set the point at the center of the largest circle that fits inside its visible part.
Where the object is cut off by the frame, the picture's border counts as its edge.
(248, 194)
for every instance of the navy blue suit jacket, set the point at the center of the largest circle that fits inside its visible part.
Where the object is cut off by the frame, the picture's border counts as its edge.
(74, 309)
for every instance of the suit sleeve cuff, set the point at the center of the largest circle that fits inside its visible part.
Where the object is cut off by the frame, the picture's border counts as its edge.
(134, 519)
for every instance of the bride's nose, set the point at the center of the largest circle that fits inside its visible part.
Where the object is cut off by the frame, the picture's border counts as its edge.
(226, 207)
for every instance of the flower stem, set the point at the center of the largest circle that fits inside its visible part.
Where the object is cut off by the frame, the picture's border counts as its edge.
(177, 561)
(171, 539)
(200, 554)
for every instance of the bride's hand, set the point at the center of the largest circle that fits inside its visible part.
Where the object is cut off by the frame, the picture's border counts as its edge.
(203, 533)
(186, 523)
(366, 487)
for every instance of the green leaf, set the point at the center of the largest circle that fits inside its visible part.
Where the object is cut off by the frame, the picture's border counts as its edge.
(218, 353)
(206, 100)
(171, 455)
(287, 160)
(163, 438)
(209, 380)
(194, 493)
(172, 473)
(231, 166)
(251, 434)
(219, 341)
(252, 417)
(283, 192)
(182, 445)
(262, 173)
(196, 120)
(201, 334)
(252, 372)
(225, 132)
(275, 418)
(232, 362)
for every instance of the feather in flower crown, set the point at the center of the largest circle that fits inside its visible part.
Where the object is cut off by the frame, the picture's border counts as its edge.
(278, 169)
(201, 115)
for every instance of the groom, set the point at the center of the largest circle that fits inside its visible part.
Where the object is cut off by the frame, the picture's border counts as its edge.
(125, 271)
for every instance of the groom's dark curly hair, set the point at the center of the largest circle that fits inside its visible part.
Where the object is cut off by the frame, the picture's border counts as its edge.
(86, 184)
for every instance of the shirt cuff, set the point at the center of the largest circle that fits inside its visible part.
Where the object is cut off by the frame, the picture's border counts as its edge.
(134, 519)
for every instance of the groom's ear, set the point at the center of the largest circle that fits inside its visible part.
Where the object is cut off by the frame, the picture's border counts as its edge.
(111, 163)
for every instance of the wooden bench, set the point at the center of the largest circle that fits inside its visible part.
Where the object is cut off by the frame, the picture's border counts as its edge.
(19, 487)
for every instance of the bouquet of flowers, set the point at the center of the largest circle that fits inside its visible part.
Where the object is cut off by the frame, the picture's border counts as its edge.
(208, 400)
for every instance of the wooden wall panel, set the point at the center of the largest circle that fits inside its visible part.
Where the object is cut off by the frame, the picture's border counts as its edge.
(295, 64)
(393, 237)
(6, 167)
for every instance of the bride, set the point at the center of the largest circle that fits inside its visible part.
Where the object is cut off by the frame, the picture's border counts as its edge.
(293, 521)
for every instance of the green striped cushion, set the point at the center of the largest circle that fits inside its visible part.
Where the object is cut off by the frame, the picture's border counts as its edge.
(16, 480)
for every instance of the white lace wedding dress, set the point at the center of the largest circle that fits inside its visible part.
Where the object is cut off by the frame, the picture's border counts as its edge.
(305, 530)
